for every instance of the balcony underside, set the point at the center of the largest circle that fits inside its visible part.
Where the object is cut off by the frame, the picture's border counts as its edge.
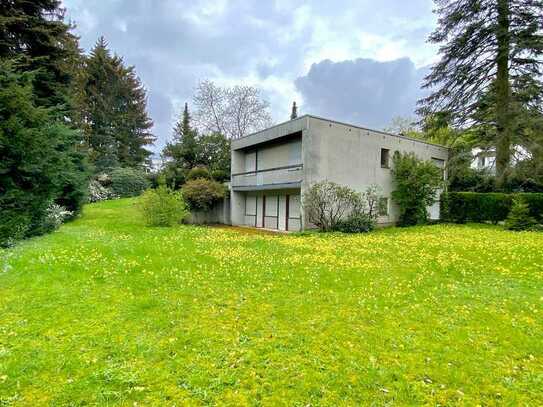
(267, 187)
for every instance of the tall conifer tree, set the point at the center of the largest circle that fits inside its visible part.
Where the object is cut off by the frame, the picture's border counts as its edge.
(487, 47)
(113, 111)
(41, 156)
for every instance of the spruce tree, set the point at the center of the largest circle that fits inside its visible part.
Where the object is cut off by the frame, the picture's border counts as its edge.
(487, 46)
(42, 159)
(113, 112)
(182, 150)
(34, 33)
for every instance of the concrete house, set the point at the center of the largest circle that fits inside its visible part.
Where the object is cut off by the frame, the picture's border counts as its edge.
(272, 168)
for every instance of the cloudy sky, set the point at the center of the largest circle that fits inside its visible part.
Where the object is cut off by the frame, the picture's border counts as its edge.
(359, 61)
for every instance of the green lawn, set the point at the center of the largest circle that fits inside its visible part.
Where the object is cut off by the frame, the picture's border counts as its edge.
(107, 311)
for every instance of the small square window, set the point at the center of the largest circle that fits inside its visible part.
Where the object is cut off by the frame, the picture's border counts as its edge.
(385, 158)
(383, 206)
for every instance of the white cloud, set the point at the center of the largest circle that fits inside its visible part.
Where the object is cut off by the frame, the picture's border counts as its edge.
(268, 44)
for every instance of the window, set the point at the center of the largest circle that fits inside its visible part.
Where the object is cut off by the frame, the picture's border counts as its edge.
(250, 161)
(295, 153)
(272, 203)
(383, 207)
(250, 205)
(294, 207)
(385, 158)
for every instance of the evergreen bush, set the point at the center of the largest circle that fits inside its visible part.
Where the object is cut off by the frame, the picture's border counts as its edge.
(126, 182)
(357, 223)
(201, 193)
(461, 207)
(519, 217)
(199, 173)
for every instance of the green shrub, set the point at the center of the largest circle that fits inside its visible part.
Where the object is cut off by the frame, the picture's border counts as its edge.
(416, 182)
(327, 203)
(199, 173)
(220, 175)
(461, 207)
(40, 160)
(201, 194)
(357, 223)
(519, 217)
(126, 182)
(162, 207)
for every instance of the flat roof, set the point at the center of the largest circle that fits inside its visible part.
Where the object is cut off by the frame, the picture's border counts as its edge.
(344, 124)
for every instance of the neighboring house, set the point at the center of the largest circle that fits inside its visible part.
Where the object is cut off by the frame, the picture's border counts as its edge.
(484, 160)
(271, 169)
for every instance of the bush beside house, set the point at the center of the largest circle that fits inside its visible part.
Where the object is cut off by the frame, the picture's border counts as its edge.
(416, 185)
(334, 207)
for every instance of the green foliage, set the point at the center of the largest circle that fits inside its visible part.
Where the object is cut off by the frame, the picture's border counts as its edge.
(481, 79)
(356, 223)
(173, 175)
(198, 172)
(126, 182)
(331, 206)
(214, 153)
(190, 149)
(162, 207)
(183, 150)
(201, 193)
(416, 185)
(460, 207)
(327, 203)
(220, 175)
(34, 34)
(40, 162)
(112, 105)
(519, 217)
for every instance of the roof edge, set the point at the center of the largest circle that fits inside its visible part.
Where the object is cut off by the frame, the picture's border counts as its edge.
(344, 124)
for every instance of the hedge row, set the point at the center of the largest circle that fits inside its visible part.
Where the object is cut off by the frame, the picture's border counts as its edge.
(460, 207)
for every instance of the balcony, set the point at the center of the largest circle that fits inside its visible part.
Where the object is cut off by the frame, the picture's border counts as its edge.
(273, 178)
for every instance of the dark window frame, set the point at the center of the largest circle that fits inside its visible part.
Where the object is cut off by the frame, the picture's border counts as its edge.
(385, 158)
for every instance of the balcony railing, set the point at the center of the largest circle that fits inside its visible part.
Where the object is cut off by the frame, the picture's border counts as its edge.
(290, 174)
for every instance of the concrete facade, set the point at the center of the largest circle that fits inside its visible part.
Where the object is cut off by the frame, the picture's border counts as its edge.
(273, 168)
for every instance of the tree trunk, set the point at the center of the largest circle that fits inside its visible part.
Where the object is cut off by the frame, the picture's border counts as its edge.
(503, 95)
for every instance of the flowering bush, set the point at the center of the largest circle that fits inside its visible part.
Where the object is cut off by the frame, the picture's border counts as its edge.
(55, 216)
(331, 206)
(98, 192)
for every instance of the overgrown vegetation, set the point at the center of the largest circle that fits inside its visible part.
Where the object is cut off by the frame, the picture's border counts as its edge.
(416, 184)
(433, 315)
(162, 207)
(202, 193)
(331, 206)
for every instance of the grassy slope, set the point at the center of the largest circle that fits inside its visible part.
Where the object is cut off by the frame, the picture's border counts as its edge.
(106, 310)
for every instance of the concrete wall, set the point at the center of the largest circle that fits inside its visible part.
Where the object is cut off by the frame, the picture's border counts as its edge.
(220, 213)
(338, 152)
(351, 156)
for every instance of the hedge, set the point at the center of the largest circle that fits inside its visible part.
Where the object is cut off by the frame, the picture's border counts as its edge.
(461, 207)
